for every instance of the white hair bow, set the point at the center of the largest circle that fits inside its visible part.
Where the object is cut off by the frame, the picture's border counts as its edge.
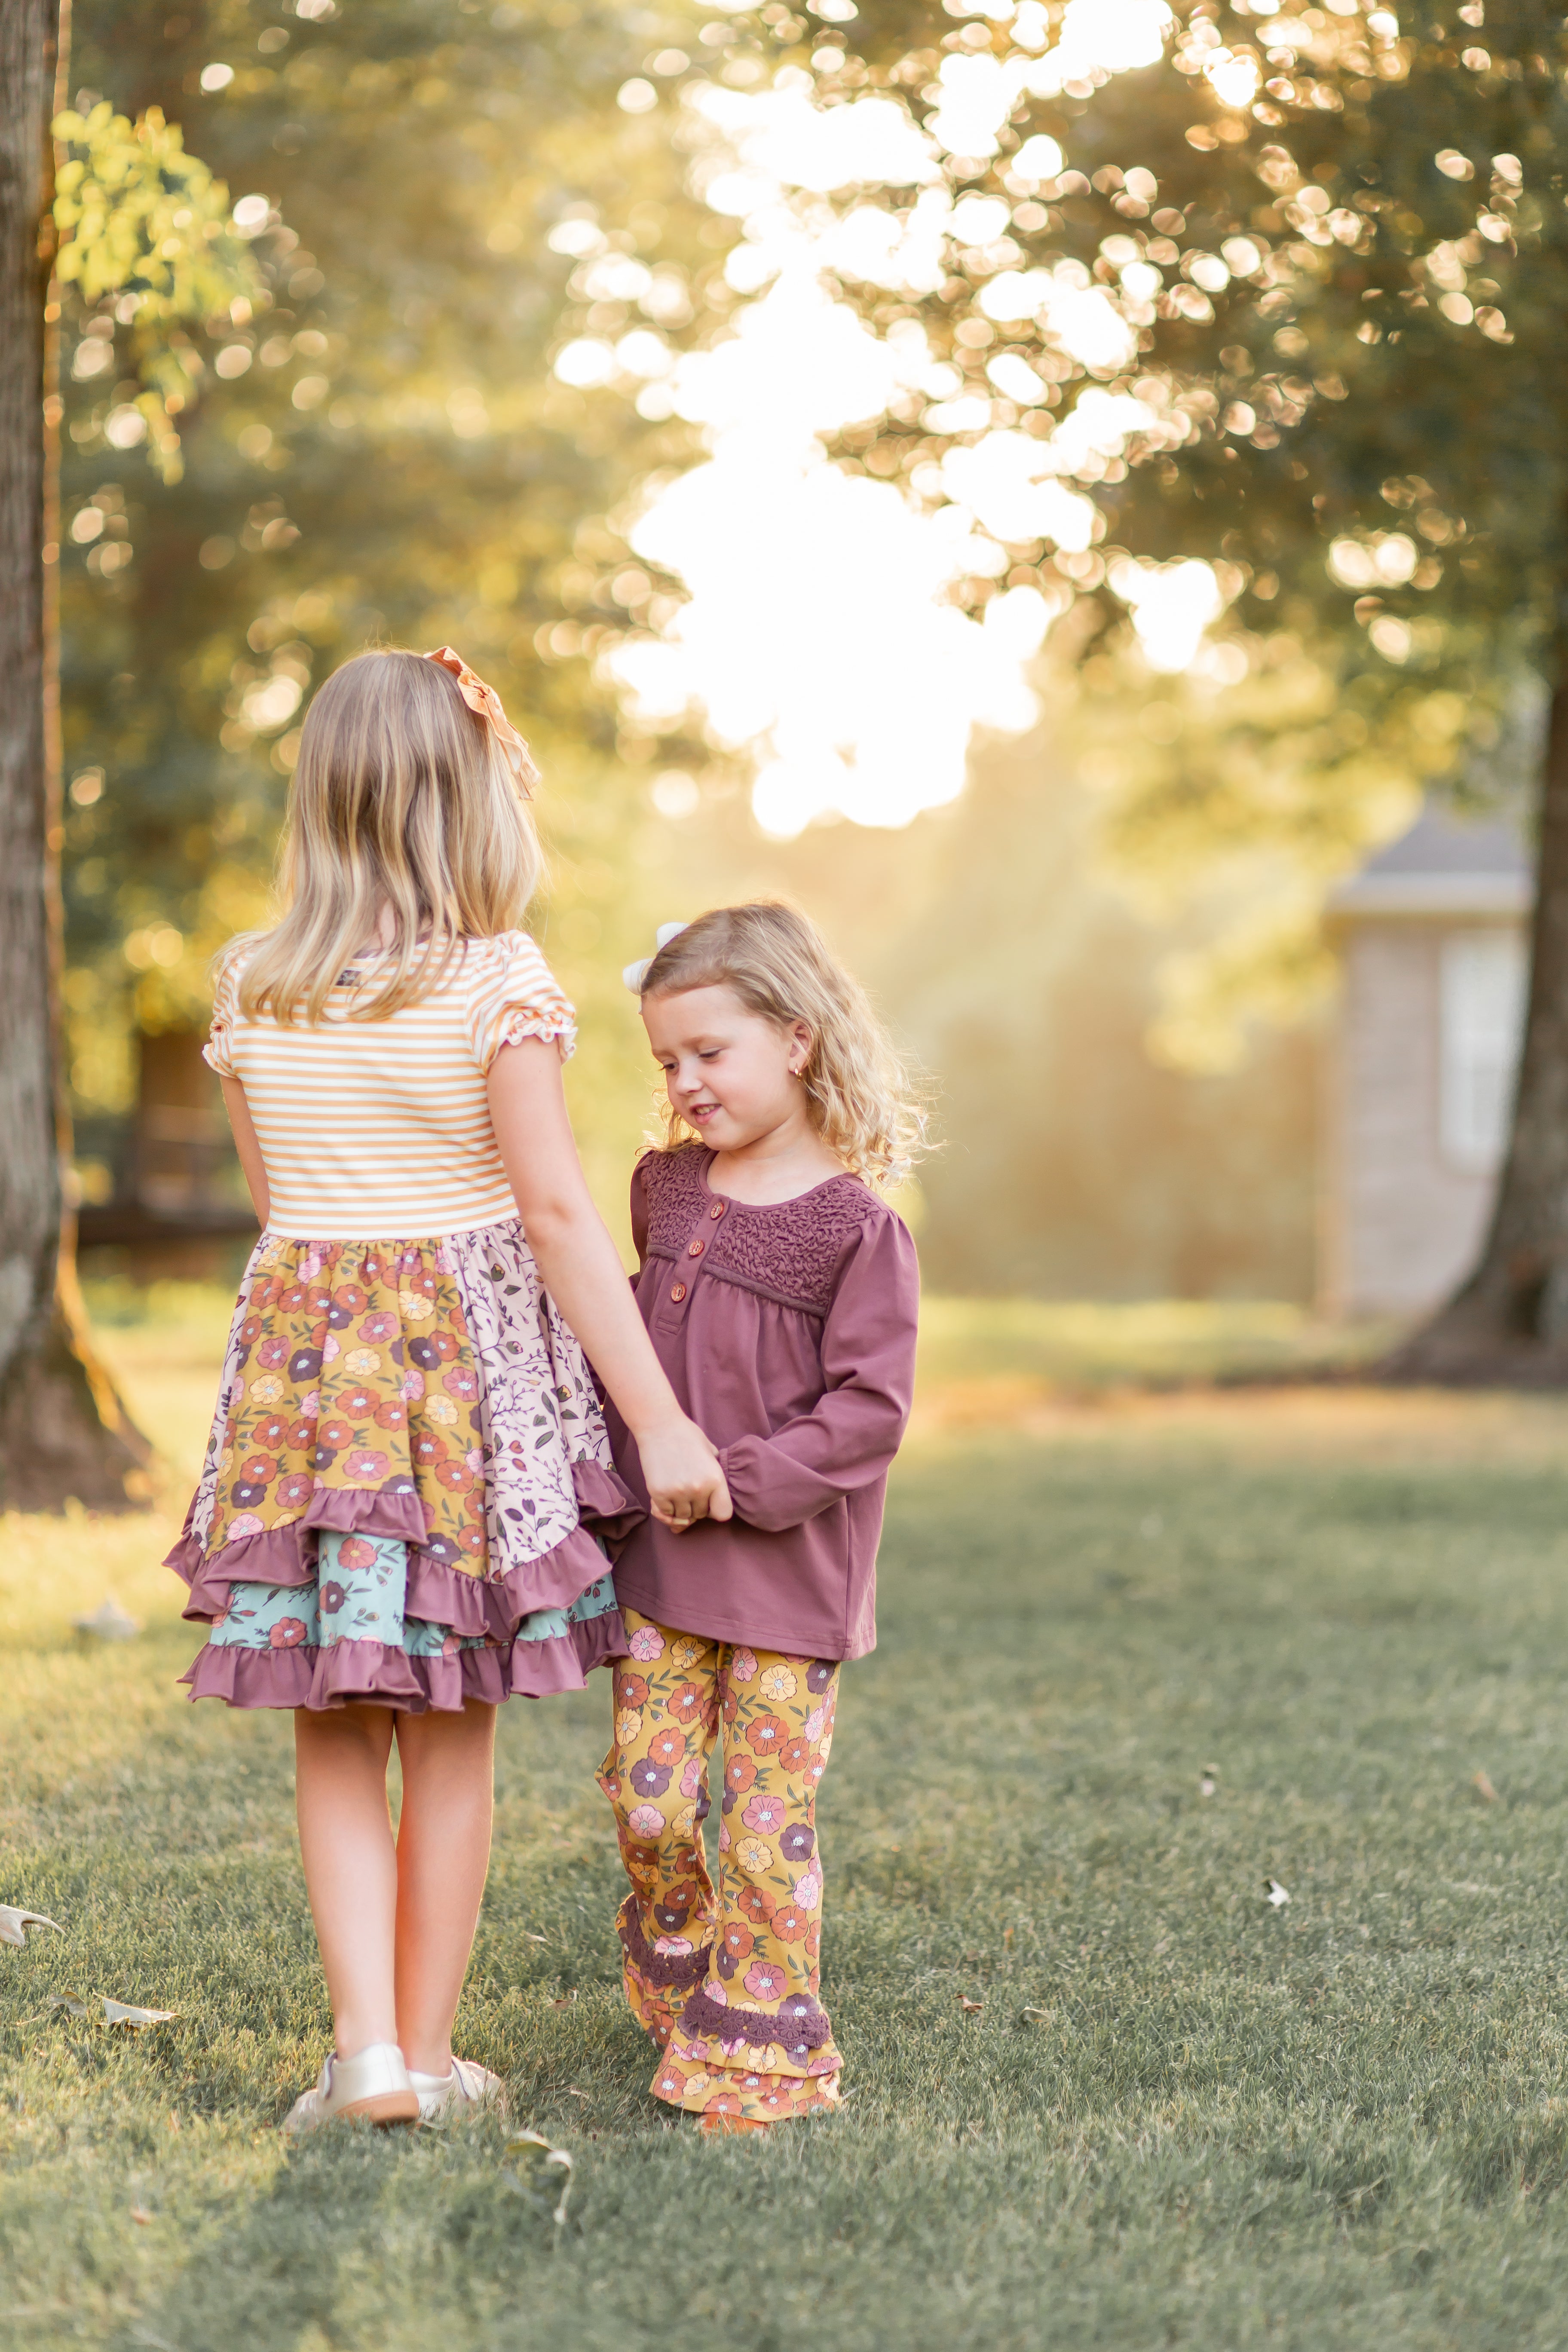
(634, 974)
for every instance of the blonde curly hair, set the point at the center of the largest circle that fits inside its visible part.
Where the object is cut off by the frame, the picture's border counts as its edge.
(864, 1102)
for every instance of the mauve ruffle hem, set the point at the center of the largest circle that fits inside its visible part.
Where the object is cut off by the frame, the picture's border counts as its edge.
(343, 1671)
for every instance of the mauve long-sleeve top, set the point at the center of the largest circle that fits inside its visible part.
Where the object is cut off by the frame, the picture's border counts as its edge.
(788, 1334)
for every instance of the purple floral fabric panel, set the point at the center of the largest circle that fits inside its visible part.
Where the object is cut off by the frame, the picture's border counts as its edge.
(582, 1416)
(541, 1410)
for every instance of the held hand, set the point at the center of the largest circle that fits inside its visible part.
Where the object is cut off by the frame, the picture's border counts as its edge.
(685, 1483)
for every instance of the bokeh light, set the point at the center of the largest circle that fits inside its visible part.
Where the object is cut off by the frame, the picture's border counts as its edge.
(821, 635)
(1172, 606)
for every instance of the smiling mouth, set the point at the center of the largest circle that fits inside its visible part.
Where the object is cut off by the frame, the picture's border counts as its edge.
(703, 1110)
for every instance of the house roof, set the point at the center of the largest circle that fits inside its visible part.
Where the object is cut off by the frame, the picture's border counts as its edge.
(1445, 864)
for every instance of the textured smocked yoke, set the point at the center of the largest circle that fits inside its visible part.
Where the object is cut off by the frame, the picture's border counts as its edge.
(787, 1332)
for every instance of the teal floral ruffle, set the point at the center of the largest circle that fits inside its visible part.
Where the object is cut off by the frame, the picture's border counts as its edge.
(358, 1595)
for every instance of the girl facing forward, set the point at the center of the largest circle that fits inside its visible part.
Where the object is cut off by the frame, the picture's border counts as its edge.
(393, 1528)
(780, 1295)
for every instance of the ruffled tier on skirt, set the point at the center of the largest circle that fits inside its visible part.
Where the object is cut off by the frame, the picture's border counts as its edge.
(345, 1673)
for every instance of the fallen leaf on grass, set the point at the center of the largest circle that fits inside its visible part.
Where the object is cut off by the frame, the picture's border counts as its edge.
(115, 2012)
(1484, 1789)
(109, 1623)
(573, 2093)
(1274, 1894)
(529, 1937)
(533, 2148)
(15, 1924)
(964, 2002)
(565, 2000)
(139, 2214)
(1042, 2013)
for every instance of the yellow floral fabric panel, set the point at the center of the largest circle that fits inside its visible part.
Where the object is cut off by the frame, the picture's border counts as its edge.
(355, 1381)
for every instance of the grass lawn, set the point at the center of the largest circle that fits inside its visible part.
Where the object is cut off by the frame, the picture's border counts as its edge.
(1178, 2117)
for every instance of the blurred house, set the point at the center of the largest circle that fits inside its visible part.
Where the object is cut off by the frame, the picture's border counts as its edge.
(1433, 937)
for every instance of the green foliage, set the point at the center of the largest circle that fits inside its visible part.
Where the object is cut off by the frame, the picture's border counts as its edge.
(143, 222)
(380, 453)
(1178, 2117)
(1371, 426)
(1331, 374)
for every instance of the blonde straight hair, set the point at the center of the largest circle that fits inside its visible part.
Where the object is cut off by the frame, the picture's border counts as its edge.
(402, 799)
(863, 1102)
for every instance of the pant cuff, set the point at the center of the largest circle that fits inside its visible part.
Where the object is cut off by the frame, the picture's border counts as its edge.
(703, 2082)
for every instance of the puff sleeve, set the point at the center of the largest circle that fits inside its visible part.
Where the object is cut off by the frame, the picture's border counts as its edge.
(850, 1436)
(218, 1051)
(517, 997)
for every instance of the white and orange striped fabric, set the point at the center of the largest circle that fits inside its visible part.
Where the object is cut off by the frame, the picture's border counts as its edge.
(380, 1130)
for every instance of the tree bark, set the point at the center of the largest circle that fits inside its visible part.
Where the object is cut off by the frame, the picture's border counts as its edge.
(62, 1430)
(1510, 1320)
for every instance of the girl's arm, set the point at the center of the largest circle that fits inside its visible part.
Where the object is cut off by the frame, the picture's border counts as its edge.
(583, 1274)
(251, 1163)
(850, 1435)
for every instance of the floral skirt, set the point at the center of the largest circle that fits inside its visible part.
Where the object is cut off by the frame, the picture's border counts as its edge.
(407, 1497)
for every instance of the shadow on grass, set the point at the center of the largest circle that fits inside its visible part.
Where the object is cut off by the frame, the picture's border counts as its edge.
(268, 2276)
(356, 2223)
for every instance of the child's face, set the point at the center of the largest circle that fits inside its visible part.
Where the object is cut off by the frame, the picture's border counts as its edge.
(728, 1071)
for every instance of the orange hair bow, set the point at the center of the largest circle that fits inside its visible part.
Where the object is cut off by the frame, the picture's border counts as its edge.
(486, 703)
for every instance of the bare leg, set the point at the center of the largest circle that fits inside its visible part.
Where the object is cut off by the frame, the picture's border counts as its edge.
(351, 1867)
(443, 1855)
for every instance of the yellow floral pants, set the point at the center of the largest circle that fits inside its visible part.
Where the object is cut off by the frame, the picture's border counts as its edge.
(725, 1981)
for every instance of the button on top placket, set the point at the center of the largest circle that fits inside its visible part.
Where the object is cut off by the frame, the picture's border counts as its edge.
(695, 1249)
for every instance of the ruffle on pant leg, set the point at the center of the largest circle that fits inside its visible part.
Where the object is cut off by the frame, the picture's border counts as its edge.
(657, 1983)
(702, 2079)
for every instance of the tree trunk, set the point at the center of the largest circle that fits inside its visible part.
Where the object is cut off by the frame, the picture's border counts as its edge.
(1510, 1320)
(62, 1430)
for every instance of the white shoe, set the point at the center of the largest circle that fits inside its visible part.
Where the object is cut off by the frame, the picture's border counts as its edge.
(375, 2084)
(468, 2087)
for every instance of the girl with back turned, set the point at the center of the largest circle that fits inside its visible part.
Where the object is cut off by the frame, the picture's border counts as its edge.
(392, 1533)
(780, 1295)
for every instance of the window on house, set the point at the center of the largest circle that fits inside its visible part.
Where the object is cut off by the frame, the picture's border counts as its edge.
(1483, 996)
